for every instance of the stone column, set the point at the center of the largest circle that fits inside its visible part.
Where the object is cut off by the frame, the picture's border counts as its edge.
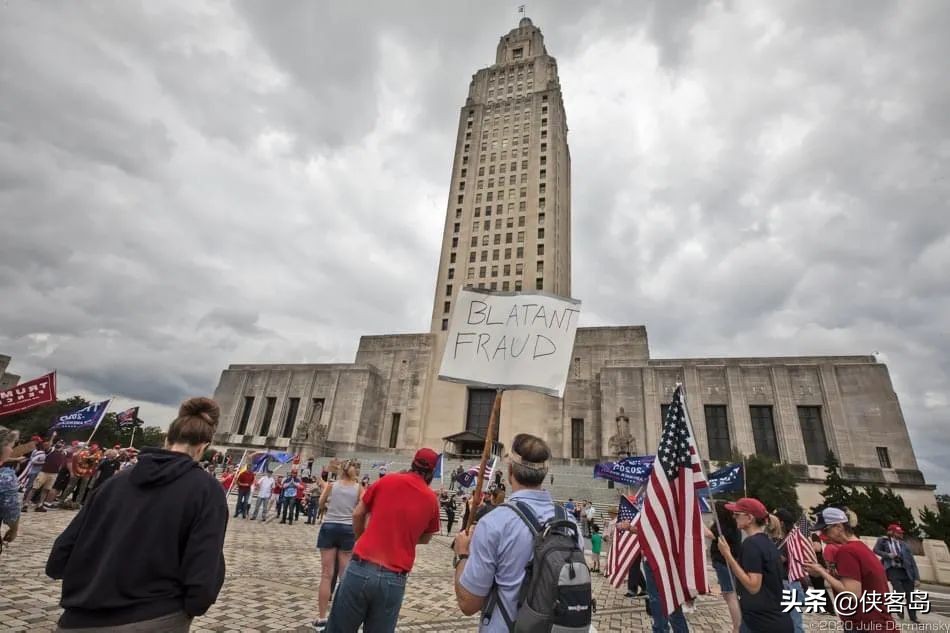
(833, 418)
(694, 407)
(651, 411)
(791, 444)
(740, 423)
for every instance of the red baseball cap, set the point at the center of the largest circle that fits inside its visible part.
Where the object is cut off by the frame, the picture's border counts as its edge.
(749, 506)
(895, 527)
(425, 459)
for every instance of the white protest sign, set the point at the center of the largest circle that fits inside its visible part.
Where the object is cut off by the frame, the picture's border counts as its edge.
(511, 340)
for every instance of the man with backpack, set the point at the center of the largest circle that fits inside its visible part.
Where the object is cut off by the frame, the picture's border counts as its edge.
(523, 566)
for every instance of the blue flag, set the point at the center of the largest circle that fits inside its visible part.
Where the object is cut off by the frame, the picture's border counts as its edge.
(728, 479)
(466, 479)
(83, 418)
(632, 471)
(261, 461)
(437, 473)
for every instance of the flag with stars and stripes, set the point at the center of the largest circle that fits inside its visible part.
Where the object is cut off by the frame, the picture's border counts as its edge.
(625, 548)
(671, 529)
(798, 551)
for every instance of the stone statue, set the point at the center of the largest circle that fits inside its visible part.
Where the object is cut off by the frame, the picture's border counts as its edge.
(622, 443)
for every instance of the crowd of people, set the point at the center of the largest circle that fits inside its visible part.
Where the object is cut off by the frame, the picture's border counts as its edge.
(368, 533)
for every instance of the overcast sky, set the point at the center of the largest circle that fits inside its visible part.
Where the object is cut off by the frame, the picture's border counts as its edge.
(185, 185)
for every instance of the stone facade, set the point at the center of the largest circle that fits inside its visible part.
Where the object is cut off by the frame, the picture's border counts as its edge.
(7, 380)
(508, 218)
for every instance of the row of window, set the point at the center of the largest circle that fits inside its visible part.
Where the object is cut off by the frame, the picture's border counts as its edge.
(511, 105)
(290, 419)
(494, 285)
(763, 433)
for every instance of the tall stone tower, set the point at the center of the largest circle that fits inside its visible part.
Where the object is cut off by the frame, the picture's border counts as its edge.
(508, 219)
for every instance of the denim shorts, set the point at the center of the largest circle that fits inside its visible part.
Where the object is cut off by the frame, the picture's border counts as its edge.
(724, 577)
(336, 536)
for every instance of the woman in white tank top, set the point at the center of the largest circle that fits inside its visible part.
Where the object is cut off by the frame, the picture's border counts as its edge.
(335, 539)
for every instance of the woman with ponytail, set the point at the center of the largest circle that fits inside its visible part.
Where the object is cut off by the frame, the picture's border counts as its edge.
(145, 553)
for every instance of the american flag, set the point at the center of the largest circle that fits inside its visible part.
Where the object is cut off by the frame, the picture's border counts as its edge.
(625, 548)
(671, 529)
(798, 551)
(128, 418)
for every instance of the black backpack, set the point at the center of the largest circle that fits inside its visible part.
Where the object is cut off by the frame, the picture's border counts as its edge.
(556, 591)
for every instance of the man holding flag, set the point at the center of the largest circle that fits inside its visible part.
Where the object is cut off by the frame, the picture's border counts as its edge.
(671, 529)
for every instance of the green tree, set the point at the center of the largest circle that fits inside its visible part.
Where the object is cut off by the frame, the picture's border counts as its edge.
(877, 508)
(772, 484)
(37, 421)
(936, 524)
(835, 492)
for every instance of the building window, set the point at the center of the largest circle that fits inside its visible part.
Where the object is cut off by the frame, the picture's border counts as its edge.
(577, 438)
(763, 432)
(813, 433)
(508, 237)
(484, 256)
(494, 255)
(471, 257)
(540, 249)
(456, 227)
(291, 418)
(394, 429)
(540, 268)
(539, 283)
(451, 273)
(519, 268)
(480, 403)
(451, 258)
(494, 285)
(448, 290)
(445, 324)
(268, 416)
(540, 219)
(504, 286)
(883, 457)
(446, 306)
(494, 271)
(517, 285)
(717, 433)
(521, 220)
(497, 239)
(485, 239)
(507, 253)
(520, 252)
(458, 214)
(471, 269)
(455, 242)
(507, 269)
(540, 234)
(521, 237)
(482, 270)
(245, 414)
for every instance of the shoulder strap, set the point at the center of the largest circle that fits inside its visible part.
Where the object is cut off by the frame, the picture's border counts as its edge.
(526, 515)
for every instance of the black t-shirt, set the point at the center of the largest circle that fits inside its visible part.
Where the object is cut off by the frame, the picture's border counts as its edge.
(762, 612)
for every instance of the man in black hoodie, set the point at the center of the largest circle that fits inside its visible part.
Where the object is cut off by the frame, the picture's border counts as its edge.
(146, 553)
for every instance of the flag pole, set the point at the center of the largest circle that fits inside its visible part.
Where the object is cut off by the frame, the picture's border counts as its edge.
(132, 439)
(101, 417)
(236, 473)
(745, 479)
(486, 451)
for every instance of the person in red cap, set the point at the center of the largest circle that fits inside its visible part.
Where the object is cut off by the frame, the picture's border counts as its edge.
(403, 512)
(899, 565)
(857, 571)
(758, 571)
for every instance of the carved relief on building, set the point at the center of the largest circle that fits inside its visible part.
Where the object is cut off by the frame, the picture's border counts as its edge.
(806, 386)
(713, 385)
(758, 386)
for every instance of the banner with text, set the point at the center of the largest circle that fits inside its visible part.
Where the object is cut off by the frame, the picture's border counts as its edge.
(511, 340)
(82, 418)
(27, 395)
(632, 471)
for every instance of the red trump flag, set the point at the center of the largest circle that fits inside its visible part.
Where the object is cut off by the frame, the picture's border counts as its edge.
(27, 395)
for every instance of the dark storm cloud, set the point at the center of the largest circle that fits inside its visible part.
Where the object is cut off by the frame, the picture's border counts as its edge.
(183, 186)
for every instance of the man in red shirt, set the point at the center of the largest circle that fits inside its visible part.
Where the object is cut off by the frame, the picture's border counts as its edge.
(403, 512)
(245, 480)
(858, 572)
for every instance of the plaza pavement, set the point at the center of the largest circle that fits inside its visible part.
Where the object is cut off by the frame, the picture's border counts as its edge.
(272, 577)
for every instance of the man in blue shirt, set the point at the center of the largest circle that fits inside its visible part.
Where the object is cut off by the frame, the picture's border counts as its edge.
(501, 546)
(899, 565)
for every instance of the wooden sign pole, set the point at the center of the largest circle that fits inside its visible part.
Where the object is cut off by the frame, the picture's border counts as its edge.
(486, 452)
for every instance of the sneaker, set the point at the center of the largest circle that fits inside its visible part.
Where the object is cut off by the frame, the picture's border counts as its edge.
(40, 509)
(319, 625)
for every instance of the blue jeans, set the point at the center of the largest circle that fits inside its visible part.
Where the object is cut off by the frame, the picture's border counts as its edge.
(260, 506)
(280, 503)
(367, 595)
(796, 613)
(661, 624)
(242, 502)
